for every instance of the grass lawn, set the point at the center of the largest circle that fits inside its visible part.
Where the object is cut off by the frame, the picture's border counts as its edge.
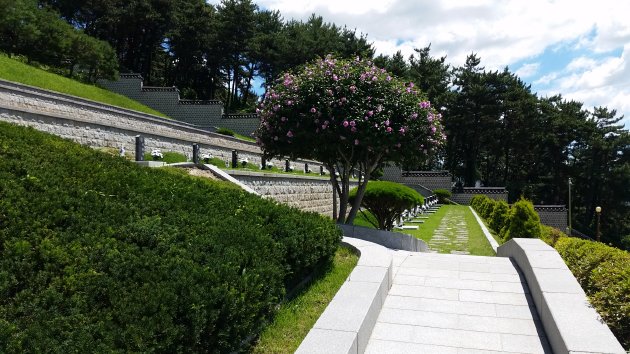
(297, 316)
(16, 71)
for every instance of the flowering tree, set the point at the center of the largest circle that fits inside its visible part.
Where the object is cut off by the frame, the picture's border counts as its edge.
(349, 115)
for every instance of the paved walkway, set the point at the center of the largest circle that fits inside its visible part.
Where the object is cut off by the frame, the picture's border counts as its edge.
(442, 303)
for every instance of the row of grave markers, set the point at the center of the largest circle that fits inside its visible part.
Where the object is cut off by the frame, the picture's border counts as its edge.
(414, 215)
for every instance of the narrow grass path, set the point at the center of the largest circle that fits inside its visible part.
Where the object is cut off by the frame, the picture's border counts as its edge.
(297, 316)
(453, 229)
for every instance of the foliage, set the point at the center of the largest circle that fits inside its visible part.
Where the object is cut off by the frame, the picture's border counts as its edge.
(386, 201)
(522, 222)
(604, 274)
(41, 35)
(13, 70)
(296, 317)
(225, 131)
(98, 254)
(499, 216)
(348, 115)
(442, 195)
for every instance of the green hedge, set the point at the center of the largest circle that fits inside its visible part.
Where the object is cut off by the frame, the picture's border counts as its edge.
(386, 201)
(602, 271)
(100, 255)
(443, 195)
(604, 274)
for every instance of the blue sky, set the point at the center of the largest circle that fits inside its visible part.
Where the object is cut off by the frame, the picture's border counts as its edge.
(577, 48)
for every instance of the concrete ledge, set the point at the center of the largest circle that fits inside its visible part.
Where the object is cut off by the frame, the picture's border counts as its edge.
(570, 322)
(393, 240)
(346, 324)
(493, 243)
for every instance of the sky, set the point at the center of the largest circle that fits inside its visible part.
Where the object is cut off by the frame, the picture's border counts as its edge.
(577, 48)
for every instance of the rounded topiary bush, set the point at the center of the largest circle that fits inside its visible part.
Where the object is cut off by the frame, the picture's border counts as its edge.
(477, 201)
(98, 254)
(443, 195)
(522, 222)
(499, 215)
(387, 201)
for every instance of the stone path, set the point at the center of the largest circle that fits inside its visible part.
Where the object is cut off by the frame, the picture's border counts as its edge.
(451, 233)
(442, 303)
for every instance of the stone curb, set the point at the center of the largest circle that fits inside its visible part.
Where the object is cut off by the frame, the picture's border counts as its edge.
(570, 322)
(346, 324)
(389, 239)
(493, 243)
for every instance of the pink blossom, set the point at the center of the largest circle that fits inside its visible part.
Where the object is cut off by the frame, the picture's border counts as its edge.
(374, 78)
(389, 129)
(356, 141)
(387, 122)
(276, 107)
(329, 92)
(389, 78)
(353, 123)
(324, 126)
(402, 131)
(289, 102)
(290, 134)
(313, 110)
(433, 129)
(414, 115)
(353, 129)
(425, 104)
(370, 113)
(353, 88)
(345, 123)
(411, 84)
(408, 90)
(335, 77)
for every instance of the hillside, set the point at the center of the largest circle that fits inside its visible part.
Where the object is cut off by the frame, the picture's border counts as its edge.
(16, 71)
(98, 254)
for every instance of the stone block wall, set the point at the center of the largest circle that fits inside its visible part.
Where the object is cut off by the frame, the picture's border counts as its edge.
(307, 193)
(496, 193)
(203, 113)
(243, 124)
(99, 125)
(553, 215)
(431, 180)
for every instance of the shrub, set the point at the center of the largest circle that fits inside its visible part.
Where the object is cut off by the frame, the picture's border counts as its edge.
(522, 222)
(499, 215)
(387, 201)
(225, 131)
(604, 274)
(477, 200)
(442, 195)
(100, 255)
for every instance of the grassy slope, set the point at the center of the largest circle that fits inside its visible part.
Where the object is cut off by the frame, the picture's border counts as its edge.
(13, 70)
(296, 317)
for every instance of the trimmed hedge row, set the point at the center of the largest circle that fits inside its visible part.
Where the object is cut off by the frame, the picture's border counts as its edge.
(604, 274)
(443, 195)
(518, 221)
(100, 255)
(602, 271)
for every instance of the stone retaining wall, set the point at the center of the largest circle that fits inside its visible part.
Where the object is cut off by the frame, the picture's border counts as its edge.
(553, 215)
(99, 125)
(496, 193)
(431, 180)
(202, 113)
(307, 193)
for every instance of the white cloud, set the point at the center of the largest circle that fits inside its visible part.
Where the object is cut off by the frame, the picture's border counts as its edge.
(527, 70)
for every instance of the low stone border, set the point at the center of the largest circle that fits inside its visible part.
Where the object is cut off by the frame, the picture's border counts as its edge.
(389, 239)
(571, 323)
(346, 324)
(493, 243)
